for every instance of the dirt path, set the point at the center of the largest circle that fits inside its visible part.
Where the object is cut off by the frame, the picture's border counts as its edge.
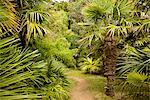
(80, 91)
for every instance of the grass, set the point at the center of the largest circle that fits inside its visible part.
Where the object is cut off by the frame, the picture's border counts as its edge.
(96, 84)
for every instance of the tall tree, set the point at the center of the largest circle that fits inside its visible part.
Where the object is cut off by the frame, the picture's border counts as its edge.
(118, 20)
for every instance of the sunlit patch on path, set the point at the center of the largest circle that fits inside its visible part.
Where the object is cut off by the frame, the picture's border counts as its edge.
(80, 90)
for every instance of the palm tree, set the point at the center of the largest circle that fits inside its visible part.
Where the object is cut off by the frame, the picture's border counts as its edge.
(29, 17)
(118, 20)
(34, 17)
(23, 74)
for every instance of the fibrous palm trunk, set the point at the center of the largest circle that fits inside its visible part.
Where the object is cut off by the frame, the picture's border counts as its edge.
(110, 64)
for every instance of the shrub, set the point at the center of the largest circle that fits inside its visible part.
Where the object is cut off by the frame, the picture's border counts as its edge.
(57, 48)
(88, 65)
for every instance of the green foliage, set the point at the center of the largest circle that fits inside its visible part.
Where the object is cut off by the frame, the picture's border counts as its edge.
(61, 6)
(134, 60)
(59, 22)
(68, 26)
(118, 20)
(133, 67)
(24, 76)
(34, 22)
(73, 39)
(97, 9)
(136, 78)
(8, 19)
(58, 49)
(88, 65)
(110, 17)
(59, 42)
(136, 86)
(27, 17)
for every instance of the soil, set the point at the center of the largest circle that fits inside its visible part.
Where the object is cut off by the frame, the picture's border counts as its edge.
(80, 90)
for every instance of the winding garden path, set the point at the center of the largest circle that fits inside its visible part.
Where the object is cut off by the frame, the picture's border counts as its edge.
(80, 90)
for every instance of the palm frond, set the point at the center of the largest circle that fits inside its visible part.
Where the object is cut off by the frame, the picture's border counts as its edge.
(35, 21)
(9, 21)
(25, 77)
(134, 60)
(136, 86)
(88, 65)
(98, 9)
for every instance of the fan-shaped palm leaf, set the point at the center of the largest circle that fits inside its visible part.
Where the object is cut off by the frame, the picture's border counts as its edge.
(24, 77)
(134, 60)
(136, 86)
(35, 22)
(8, 19)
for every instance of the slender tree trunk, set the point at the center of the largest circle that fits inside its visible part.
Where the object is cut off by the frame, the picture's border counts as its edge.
(110, 50)
(76, 57)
